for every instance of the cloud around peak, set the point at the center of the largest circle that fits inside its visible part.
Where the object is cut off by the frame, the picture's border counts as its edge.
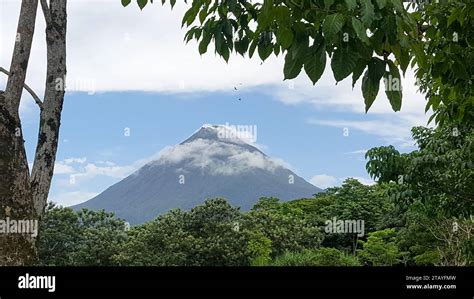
(219, 158)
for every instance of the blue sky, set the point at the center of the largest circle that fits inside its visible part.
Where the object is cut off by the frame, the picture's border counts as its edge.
(95, 150)
(131, 69)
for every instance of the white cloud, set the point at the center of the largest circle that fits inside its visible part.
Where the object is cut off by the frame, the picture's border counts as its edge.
(323, 181)
(357, 152)
(72, 172)
(80, 175)
(206, 154)
(202, 153)
(75, 160)
(108, 163)
(72, 198)
(394, 131)
(112, 48)
(61, 168)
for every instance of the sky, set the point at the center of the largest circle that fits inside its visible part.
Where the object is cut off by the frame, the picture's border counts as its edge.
(135, 88)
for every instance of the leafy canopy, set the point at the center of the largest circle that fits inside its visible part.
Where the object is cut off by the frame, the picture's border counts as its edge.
(358, 36)
(372, 39)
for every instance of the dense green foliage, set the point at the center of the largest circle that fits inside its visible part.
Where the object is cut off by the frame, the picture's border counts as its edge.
(380, 249)
(318, 257)
(352, 200)
(292, 233)
(79, 238)
(435, 186)
(205, 236)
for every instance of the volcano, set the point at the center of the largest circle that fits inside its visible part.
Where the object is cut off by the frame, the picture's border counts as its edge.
(216, 161)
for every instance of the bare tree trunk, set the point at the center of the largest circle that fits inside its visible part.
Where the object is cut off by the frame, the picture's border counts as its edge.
(22, 197)
(50, 118)
(16, 198)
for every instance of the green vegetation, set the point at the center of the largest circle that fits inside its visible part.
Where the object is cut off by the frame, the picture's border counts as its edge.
(419, 213)
(435, 186)
(318, 257)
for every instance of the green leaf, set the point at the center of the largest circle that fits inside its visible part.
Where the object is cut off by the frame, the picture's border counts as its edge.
(376, 69)
(393, 86)
(402, 56)
(360, 30)
(285, 37)
(126, 2)
(206, 39)
(343, 62)
(282, 15)
(292, 67)
(351, 4)
(381, 3)
(367, 12)
(242, 45)
(315, 61)
(142, 3)
(398, 5)
(332, 25)
(294, 58)
(203, 15)
(252, 48)
(264, 51)
(225, 53)
(328, 3)
(371, 81)
(358, 70)
(369, 91)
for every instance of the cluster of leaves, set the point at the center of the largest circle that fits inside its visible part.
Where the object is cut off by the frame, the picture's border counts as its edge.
(443, 74)
(373, 38)
(208, 235)
(287, 227)
(318, 257)
(435, 186)
(380, 249)
(439, 174)
(436, 240)
(351, 201)
(216, 234)
(82, 238)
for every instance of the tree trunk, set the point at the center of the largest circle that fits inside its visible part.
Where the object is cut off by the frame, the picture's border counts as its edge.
(16, 198)
(22, 197)
(50, 118)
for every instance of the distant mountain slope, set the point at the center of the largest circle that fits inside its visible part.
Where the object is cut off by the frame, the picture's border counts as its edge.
(213, 162)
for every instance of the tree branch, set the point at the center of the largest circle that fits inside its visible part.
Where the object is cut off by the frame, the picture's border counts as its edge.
(21, 55)
(50, 117)
(46, 12)
(32, 93)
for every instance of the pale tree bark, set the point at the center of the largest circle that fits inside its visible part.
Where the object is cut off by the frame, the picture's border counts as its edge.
(16, 198)
(50, 118)
(23, 197)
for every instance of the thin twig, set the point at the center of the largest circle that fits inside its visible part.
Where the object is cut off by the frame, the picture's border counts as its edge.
(32, 93)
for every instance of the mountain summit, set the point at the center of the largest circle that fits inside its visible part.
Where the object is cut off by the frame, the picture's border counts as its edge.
(216, 161)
